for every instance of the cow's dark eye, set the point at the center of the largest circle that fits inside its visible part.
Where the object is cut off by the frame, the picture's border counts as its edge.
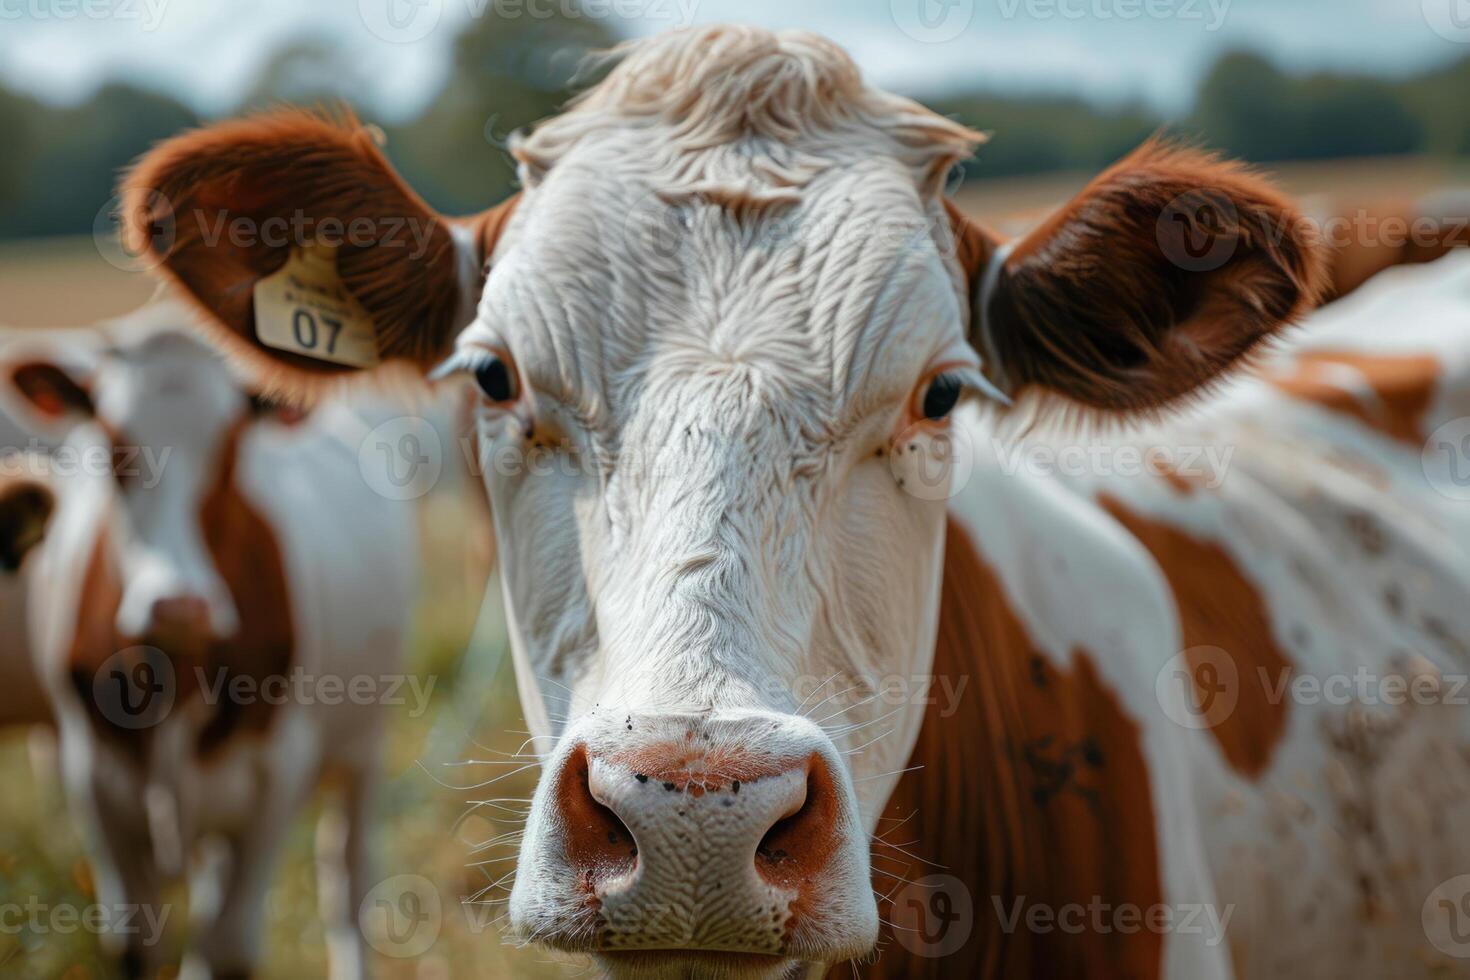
(496, 379)
(941, 396)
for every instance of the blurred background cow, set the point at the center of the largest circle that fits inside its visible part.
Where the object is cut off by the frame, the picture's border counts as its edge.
(1357, 107)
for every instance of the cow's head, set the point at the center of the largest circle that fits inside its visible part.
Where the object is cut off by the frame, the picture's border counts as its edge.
(150, 417)
(728, 316)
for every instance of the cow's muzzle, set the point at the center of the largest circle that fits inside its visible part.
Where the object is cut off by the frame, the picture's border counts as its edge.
(688, 834)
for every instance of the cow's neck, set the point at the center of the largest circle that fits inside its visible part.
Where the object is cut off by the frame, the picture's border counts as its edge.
(1033, 792)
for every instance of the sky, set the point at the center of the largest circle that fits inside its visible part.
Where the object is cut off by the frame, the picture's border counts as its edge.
(208, 51)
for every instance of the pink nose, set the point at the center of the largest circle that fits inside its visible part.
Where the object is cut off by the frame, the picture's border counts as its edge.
(701, 838)
(785, 819)
(183, 617)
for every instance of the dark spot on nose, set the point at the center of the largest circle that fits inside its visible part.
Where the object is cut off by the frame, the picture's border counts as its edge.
(669, 786)
(640, 777)
(735, 786)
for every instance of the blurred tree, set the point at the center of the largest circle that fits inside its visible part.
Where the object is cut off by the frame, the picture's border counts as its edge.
(1438, 101)
(307, 72)
(1037, 135)
(17, 121)
(510, 69)
(1249, 108)
(67, 180)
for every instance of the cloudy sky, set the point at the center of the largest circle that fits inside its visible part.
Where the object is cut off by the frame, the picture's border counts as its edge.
(207, 51)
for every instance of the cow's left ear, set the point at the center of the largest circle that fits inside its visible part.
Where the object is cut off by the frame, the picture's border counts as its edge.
(217, 210)
(1163, 273)
(25, 510)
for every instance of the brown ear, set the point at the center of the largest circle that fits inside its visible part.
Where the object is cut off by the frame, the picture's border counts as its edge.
(1160, 275)
(217, 209)
(25, 510)
(51, 390)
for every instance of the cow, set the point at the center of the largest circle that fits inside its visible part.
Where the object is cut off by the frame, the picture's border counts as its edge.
(732, 315)
(1369, 238)
(207, 586)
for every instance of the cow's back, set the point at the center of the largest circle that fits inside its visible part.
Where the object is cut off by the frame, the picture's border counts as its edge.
(1319, 562)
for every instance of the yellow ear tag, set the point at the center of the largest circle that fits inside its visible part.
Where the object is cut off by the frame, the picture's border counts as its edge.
(305, 308)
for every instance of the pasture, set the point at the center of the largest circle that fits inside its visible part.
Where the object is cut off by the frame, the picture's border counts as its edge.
(429, 824)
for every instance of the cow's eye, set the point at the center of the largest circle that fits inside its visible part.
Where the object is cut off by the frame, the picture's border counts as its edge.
(941, 395)
(496, 378)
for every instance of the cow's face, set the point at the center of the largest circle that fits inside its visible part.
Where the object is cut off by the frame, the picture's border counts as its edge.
(710, 552)
(722, 331)
(152, 420)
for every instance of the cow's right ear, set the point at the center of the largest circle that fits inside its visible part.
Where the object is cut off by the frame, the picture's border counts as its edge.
(51, 391)
(218, 209)
(25, 510)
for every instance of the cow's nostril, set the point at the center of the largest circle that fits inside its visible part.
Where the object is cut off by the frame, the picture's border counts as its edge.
(799, 844)
(598, 844)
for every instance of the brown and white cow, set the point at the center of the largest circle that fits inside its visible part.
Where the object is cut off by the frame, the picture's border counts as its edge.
(732, 313)
(214, 599)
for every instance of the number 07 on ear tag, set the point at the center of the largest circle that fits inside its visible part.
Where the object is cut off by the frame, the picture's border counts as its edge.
(305, 308)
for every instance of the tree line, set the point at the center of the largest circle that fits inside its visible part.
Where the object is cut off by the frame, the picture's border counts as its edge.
(61, 162)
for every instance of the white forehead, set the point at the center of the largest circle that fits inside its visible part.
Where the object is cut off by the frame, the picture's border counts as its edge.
(155, 373)
(770, 216)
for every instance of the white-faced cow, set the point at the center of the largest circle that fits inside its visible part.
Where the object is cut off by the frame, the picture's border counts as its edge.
(732, 307)
(206, 586)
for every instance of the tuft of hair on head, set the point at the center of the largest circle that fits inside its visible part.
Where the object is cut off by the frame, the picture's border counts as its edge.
(712, 86)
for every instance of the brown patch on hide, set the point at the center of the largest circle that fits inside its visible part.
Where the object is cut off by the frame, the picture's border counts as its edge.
(1219, 607)
(1036, 787)
(248, 558)
(1399, 388)
(1385, 234)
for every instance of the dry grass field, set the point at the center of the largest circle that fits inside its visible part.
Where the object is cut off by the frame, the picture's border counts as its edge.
(427, 826)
